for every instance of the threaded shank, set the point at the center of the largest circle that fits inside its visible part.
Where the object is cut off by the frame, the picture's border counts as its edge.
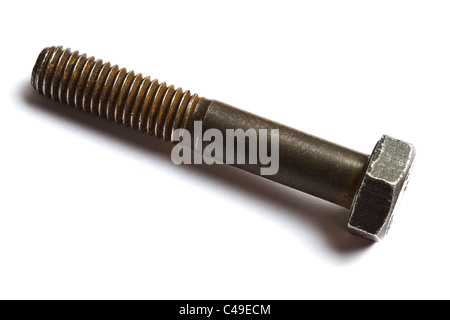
(110, 92)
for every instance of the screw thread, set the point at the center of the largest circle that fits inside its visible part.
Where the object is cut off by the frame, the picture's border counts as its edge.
(110, 92)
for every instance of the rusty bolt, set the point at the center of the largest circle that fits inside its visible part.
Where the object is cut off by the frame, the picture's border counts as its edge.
(369, 185)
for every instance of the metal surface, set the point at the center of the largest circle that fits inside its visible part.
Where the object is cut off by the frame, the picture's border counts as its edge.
(385, 180)
(110, 92)
(307, 163)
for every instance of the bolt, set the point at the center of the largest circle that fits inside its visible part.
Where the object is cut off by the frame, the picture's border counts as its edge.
(368, 185)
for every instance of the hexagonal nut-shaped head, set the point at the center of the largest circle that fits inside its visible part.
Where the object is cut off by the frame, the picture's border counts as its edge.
(383, 185)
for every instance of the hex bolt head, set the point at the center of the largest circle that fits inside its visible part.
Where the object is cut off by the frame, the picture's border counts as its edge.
(383, 185)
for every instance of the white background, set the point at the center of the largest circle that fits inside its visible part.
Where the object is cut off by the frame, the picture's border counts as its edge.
(93, 210)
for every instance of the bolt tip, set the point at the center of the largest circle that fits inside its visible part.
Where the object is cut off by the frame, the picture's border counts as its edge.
(37, 66)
